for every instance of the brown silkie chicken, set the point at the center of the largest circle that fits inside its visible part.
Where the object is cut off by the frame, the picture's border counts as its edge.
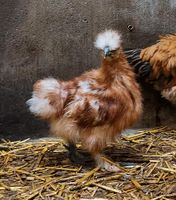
(94, 107)
(157, 65)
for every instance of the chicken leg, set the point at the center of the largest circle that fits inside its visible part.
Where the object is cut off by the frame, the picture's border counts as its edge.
(74, 155)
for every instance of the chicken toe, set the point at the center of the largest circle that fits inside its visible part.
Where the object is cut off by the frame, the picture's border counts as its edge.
(110, 167)
(107, 164)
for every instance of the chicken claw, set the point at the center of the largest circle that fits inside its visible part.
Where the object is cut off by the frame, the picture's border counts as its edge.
(107, 164)
(109, 167)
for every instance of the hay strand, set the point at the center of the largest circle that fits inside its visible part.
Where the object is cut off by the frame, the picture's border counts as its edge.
(40, 169)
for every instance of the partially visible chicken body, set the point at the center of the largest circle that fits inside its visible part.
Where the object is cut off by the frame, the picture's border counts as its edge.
(93, 108)
(157, 65)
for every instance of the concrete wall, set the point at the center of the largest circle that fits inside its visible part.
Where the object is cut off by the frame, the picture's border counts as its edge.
(40, 38)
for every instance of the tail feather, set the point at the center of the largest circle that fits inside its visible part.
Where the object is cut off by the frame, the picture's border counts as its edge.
(48, 98)
(142, 68)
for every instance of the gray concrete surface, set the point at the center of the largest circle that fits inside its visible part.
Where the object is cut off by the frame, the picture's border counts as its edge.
(40, 38)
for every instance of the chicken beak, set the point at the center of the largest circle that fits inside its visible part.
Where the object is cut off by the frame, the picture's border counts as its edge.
(107, 51)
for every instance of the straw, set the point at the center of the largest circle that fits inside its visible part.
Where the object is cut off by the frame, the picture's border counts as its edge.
(40, 169)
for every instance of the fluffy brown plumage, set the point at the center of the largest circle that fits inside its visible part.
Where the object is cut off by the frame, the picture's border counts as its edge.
(157, 64)
(94, 107)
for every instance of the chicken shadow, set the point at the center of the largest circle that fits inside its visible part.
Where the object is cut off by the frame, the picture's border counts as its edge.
(125, 156)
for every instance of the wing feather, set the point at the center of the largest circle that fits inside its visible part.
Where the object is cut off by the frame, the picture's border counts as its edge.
(93, 104)
(91, 110)
(162, 56)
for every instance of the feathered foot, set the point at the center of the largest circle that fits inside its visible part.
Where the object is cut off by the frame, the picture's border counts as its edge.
(106, 164)
(74, 155)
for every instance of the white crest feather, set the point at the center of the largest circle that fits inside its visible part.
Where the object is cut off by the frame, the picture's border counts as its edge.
(109, 38)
